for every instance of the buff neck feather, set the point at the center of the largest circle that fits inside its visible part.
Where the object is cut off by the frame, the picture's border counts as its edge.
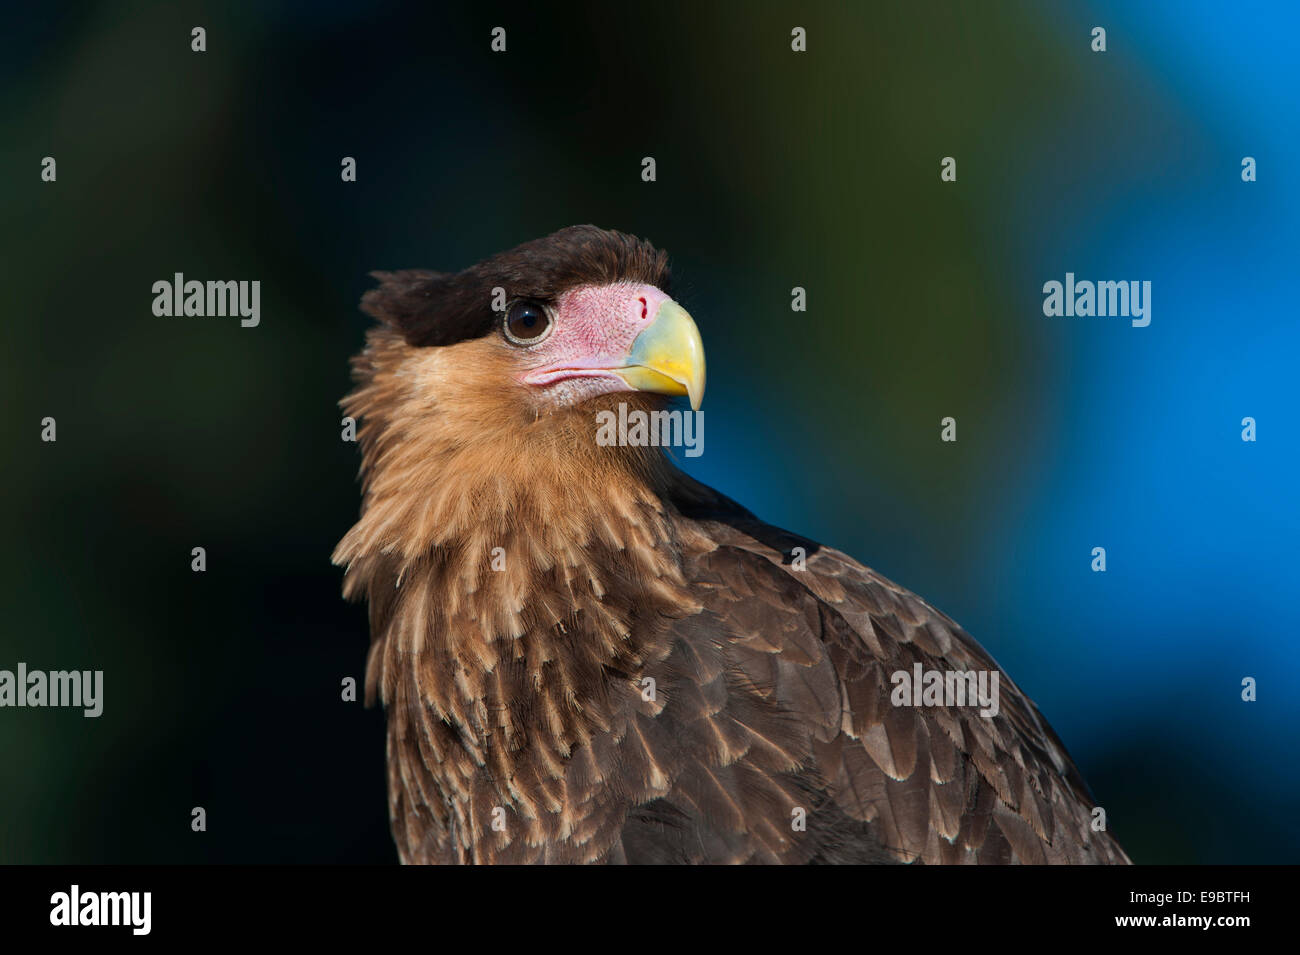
(495, 542)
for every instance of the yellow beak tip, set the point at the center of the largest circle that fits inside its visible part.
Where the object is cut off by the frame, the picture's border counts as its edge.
(667, 357)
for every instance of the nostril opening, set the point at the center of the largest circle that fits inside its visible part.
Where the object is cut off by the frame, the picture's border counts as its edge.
(644, 307)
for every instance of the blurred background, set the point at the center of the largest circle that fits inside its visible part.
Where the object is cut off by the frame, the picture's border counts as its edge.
(775, 170)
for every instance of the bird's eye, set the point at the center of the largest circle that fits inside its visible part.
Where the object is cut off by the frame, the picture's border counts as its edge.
(527, 323)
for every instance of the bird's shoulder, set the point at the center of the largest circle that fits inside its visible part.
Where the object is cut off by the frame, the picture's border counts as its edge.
(822, 637)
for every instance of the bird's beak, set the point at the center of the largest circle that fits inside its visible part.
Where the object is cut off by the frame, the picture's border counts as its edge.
(667, 357)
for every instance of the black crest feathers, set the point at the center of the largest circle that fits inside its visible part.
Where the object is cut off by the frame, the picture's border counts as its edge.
(432, 309)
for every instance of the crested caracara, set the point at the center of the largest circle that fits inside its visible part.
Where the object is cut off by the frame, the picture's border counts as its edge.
(587, 656)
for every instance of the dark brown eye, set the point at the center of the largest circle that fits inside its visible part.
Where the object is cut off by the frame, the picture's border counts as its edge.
(526, 323)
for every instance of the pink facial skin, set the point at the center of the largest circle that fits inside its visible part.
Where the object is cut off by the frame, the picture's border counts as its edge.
(594, 327)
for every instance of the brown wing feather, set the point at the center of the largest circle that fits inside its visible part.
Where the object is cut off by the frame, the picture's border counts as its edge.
(933, 784)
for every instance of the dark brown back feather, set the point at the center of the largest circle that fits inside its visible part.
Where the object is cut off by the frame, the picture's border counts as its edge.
(932, 784)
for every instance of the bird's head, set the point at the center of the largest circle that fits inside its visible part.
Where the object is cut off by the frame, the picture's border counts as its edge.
(479, 394)
(543, 328)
